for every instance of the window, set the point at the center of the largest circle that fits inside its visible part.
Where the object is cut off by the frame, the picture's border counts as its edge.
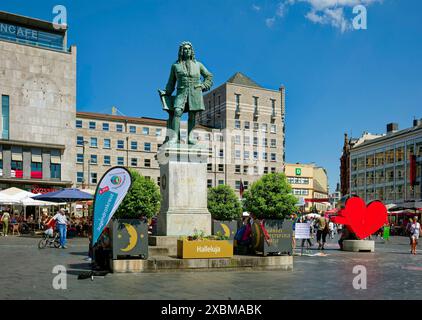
(94, 159)
(264, 127)
(273, 157)
(245, 170)
(107, 160)
(237, 168)
(273, 128)
(79, 141)
(78, 123)
(237, 102)
(93, 178)
(119, 127)
(221, 153)
(120, 144)
(273, 143)
(79, 177)
(245, 185)
(273, 170)
(106, 126)
(265, 142)
(256, 126)
(36, 170)
(79, 158)
(55, 171)
(134, 145)
(255, 155)
(158, 181)
(273, 107)
(209, 166)
(147, 163)
(237, 154)
(245, 155)
(247, 141)
(220, 182)
(147, 146)
(255, 170)
(132, 129)
(107, 143)
(92, 125)
(120, 161)
(17, 169)
(237, 185)
(255, 141)
(237, 124)
(247, 125)
(265, 156)
(5, 107)
(134, 162)
(158, 132)
(209, 183)
(221, 167)
(145, 130)
(265, 170)
(94, 143)
(237, 139)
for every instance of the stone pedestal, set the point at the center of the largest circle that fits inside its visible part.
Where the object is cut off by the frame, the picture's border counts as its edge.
(359, 245)
(183, 184)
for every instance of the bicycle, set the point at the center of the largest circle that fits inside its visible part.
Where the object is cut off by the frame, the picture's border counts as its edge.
(50, 241)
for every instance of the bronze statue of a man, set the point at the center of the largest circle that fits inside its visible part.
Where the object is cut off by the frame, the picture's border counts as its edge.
(186, 72)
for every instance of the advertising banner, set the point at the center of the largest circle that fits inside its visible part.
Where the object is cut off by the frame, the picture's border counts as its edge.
(111, 191)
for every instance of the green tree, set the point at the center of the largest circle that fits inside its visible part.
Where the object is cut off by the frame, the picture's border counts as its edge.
(223, 203)
(143, 199)
(270, 197)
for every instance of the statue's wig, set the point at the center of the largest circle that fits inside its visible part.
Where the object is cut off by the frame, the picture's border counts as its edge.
(185, 43)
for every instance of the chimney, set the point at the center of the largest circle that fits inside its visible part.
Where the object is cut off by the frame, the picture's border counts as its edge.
(392, 127)
(417, 122)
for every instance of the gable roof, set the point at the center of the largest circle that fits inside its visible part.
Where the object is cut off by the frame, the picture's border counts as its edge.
(240, 78)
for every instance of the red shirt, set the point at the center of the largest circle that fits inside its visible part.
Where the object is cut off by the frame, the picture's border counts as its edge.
(247, 232)
(51, 223)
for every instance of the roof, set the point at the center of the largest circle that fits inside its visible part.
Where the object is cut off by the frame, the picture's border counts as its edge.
(31, 22)
(389, 136)
(240, 78)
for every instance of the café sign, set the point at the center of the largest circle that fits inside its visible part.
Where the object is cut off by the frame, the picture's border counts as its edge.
(18, 32)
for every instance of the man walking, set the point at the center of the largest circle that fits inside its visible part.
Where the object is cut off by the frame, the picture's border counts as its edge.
(62, 223)
(322, 231)
(5, 219)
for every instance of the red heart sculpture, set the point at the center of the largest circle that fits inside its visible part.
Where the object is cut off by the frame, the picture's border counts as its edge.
(362, 220)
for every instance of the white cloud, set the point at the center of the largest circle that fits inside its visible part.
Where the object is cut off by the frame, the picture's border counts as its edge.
(329, 12)
(256, 8)
(270, 22)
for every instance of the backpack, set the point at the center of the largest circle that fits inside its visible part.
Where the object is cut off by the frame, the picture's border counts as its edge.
(239, 234)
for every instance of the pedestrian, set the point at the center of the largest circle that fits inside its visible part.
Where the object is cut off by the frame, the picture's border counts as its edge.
(322, 231)
(62, 223)
(415, 231)
(5, 219)
(331, 229)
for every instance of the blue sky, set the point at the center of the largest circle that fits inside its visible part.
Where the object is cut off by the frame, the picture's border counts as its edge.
(337, 79)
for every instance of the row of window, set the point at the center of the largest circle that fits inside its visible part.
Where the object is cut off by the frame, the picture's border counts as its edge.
(16, 170)
(300, 192)
(252, 170)
(247, 141)
(256, 103)
(296, 180)
(107, 160)
(391, 193)
(247, 126)
(120, 144)
(222, 182)
(119, 127)
(255, 156)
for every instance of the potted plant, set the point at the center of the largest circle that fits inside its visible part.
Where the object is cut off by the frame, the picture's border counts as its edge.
(225, 209)
(271, 201)
(199, 246)
(129, 230)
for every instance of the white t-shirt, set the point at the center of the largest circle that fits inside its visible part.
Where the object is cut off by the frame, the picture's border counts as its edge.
(61, 219)
(414, 229)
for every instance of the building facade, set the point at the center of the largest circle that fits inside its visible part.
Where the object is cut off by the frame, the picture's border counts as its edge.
(309, 182)
(38, 104)
(388, 168)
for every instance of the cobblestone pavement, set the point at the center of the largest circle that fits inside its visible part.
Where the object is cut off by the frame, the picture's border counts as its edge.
(392, 273)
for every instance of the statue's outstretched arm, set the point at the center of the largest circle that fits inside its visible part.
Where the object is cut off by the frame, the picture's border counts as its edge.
(171, 83)
(207, 83)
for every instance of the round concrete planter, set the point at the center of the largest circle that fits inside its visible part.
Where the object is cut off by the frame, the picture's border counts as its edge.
(359, 245)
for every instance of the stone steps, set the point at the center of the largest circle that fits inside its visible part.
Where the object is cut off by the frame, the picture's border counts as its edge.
(171, 263)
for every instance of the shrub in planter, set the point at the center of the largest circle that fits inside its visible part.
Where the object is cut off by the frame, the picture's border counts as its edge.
(225, 209)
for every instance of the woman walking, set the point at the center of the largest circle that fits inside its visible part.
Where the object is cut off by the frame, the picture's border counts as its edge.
(415, 231)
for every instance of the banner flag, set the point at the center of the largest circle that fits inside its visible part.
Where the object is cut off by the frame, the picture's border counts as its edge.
(111, 191)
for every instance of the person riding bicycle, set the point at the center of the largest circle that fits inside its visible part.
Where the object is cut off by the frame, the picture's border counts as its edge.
(50, 227)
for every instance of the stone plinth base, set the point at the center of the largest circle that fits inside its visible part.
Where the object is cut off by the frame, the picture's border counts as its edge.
(359, 245)
(171, 264)
(176, 224)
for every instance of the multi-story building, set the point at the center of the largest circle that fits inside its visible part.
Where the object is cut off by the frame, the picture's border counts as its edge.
(242, 146)
(251, 120)
(309, 182)
(38, 104)
(388, 168)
